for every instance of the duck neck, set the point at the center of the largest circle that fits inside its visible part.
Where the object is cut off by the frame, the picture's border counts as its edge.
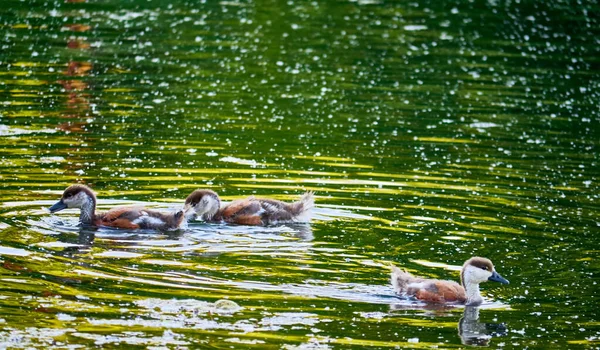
(208, 215)
(86, 216)
(213, 203)
(472, 293)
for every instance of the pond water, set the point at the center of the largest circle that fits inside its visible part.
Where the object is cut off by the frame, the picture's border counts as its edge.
(430, 131)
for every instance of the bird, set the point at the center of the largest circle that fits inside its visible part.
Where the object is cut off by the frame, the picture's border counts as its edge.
(126, 217)
(473, 272)
(206, 206)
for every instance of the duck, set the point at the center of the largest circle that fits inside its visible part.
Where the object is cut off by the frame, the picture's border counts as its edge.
(126, 217)
(474, 271)
(205, 205)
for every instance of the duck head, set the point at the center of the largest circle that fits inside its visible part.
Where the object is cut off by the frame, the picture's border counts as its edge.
(477, 270)
(202, 204)
(75, 196)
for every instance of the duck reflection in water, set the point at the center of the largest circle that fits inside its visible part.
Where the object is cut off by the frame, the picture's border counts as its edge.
(473, 332)
(80, 245)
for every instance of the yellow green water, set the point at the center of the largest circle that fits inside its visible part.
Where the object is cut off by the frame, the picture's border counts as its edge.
(430, 131)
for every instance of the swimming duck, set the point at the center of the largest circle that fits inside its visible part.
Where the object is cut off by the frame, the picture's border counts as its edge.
(473, 272)
(206, 205)
(82, 197)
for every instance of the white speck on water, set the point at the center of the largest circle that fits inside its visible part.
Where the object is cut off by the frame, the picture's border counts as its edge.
(48, 160)
(445, 36)
(252, 163)
(414, 27)
(126, 16)
(65, 317)
(483, 125)
(11, 131)
(118, 254)
(13, 251)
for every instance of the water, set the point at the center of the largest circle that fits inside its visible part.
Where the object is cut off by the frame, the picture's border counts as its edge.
(430, 131)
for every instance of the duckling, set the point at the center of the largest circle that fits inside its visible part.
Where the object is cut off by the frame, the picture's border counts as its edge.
(206, 205)
(82, 197)
(473, 272)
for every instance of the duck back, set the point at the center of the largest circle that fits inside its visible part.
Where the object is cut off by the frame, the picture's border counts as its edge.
(265, 211)
(279, 212)
(139, 218)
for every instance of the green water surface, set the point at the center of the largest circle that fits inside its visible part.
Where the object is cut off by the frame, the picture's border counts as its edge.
(430, 131)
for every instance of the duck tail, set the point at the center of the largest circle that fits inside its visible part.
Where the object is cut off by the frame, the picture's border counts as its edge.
(302, 209)
(400, 279)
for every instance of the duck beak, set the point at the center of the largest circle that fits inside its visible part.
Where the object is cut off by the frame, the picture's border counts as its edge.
(187, 209)
(495, 277)
(60, 205)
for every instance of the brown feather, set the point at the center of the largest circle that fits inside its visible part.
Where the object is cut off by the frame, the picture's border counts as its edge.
(119, 223)
(234, 208)
(247, 220)
(119, 213)
(431, 297)
(450, 291)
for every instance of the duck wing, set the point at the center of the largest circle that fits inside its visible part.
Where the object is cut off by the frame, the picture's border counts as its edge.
(139, 217)
(243, 212)
(436, 291)
(275, 211)
(451, 291)
(121, 217)
(158, 220)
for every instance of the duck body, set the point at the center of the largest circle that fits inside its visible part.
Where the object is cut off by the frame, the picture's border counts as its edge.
(473, 272)
(206, 205)
(127, 217)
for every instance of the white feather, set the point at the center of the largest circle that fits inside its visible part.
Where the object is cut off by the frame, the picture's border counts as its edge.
(148, 220)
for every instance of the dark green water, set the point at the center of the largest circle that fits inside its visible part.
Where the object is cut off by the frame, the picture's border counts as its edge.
(431, 131)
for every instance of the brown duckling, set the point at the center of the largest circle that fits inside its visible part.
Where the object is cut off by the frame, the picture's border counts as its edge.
(206, 205)
(473, 272)
(82, 197)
